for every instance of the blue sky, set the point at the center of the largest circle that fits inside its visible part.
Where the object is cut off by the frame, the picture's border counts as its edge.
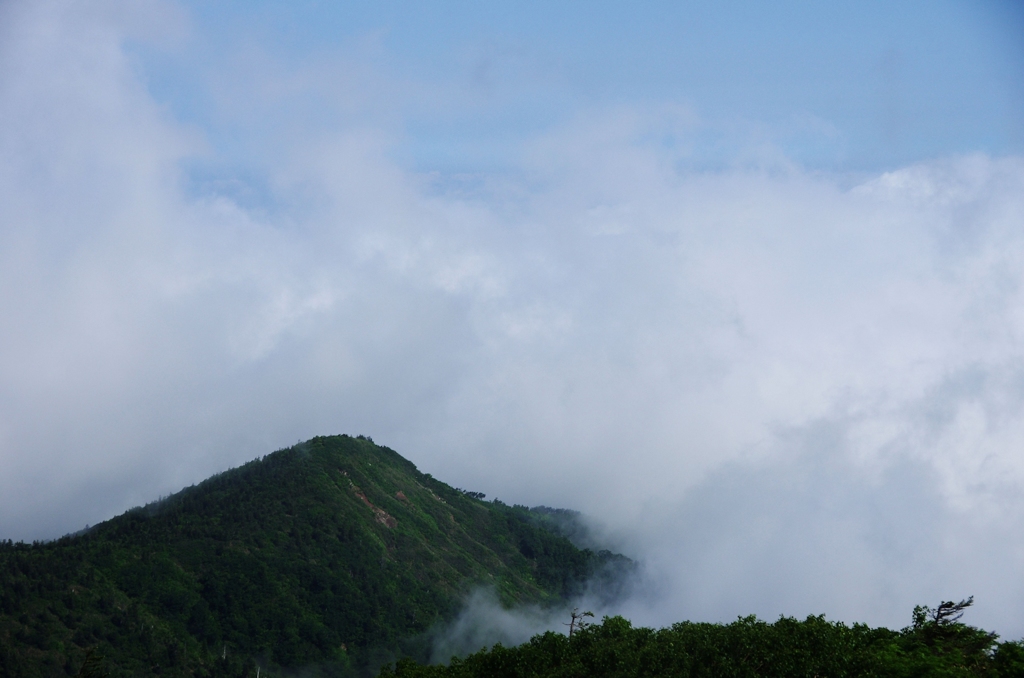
(849, 86)
(744, 282)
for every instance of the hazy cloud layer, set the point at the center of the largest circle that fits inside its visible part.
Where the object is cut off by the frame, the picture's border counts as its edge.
(788, 392)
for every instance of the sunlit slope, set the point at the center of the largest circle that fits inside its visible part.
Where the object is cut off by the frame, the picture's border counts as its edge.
(322, 554)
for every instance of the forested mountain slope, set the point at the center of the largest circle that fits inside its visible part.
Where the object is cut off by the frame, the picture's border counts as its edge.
(332, 556)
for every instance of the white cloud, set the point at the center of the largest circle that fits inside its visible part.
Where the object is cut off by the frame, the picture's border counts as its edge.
(793, 395)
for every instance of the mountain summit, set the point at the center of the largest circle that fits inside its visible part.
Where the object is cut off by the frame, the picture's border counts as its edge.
(334, 555)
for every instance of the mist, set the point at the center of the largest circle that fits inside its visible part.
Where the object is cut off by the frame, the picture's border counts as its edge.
(785, 390)
(483, 622)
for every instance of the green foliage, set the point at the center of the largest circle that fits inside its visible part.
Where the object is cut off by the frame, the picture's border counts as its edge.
(938, 635)
(746, 648)
(335, 555)
(92, 667)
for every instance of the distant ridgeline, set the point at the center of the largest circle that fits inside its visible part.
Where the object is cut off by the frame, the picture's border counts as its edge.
(332, 557)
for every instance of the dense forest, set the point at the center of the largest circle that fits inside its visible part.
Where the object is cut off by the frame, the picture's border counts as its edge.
(937, 645)
(335, 556)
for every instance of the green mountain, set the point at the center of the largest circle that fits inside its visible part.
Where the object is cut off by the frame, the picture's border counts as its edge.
(333, 557)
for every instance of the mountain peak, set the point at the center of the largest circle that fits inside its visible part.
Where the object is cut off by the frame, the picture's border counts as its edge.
(335, 552)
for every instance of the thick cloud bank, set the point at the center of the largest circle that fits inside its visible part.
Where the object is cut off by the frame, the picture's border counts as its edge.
(787, 392)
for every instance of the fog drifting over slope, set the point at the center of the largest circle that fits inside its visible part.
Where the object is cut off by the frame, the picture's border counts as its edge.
(786, 391)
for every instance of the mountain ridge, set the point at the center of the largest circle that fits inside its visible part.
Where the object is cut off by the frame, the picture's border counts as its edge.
(335, 554)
